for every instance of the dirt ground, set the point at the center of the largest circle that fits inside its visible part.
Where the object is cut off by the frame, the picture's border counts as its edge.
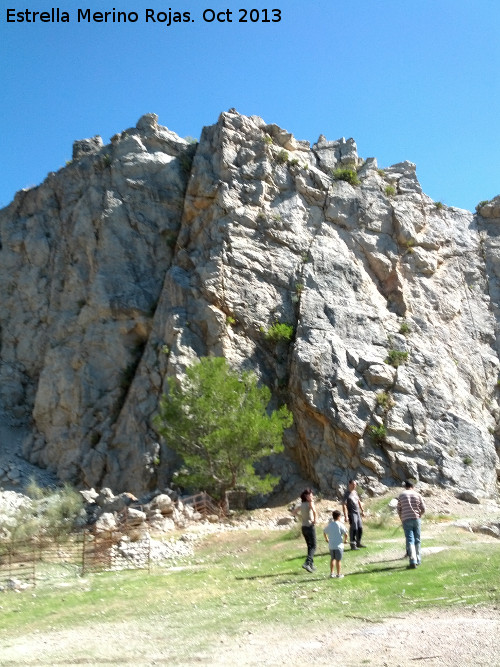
(445, 638)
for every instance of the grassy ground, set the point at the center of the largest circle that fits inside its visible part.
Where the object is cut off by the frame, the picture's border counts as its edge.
(243, 581)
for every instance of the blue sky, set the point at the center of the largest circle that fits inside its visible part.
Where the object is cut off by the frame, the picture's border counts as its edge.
(409, 80)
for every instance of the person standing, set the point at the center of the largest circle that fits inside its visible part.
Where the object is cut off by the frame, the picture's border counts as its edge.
(308, 517)
(411, 507)
(353, 511)
(336, 535)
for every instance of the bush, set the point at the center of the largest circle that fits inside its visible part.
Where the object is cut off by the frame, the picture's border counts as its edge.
(282, 157)
(396, 358)
(404, 328)
(48, 513)
(378, 433)
(280, 331)
(384, 399)
(346, 174)
(390, 190)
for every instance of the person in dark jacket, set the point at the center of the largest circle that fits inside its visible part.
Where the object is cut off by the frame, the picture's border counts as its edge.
(353, 511)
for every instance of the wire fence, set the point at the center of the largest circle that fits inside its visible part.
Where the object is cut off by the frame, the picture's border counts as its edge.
(24, 563)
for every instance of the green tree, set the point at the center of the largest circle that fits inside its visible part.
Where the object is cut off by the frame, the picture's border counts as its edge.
(217, 421)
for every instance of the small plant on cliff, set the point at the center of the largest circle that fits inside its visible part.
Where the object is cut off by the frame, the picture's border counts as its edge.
(390, 190)
(404, 328)
(279, 331)
(299, 288)
(396, 358)
(481, 204)
(467, 460)
(378, 433)
(439, 205)
(268, 139)
(230, 320)
(282, 157)
(385, 400)
(217, 422)
(346, 174)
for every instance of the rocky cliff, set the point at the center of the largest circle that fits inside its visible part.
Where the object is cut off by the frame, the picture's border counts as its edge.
(141, 255)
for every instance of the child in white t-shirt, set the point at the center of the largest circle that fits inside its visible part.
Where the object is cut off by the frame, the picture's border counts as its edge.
(336, 535)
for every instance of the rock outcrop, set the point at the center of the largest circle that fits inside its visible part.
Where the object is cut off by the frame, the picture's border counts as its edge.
(140, 256)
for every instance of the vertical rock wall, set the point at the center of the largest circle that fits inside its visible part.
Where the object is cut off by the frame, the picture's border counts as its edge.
(128, 264)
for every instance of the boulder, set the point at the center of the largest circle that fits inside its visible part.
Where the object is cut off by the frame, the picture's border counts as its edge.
(469, 496)
(106, 523)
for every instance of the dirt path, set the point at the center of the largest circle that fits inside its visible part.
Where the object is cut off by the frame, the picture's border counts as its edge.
(446, 638)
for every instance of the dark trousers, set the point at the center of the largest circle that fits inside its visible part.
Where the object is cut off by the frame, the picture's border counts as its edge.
(355, 529)
(309, 533)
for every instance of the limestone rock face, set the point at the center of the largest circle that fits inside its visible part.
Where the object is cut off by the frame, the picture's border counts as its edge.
(140, 256)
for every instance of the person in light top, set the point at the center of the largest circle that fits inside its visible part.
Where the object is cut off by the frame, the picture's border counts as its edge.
(336, 535)
(308, 516)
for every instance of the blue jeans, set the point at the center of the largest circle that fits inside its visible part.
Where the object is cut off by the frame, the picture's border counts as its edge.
(411, 528)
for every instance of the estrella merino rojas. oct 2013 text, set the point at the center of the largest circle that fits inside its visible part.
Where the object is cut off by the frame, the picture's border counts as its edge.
(164, 17)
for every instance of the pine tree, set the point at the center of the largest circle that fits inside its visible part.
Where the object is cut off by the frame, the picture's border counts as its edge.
(217, 421)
